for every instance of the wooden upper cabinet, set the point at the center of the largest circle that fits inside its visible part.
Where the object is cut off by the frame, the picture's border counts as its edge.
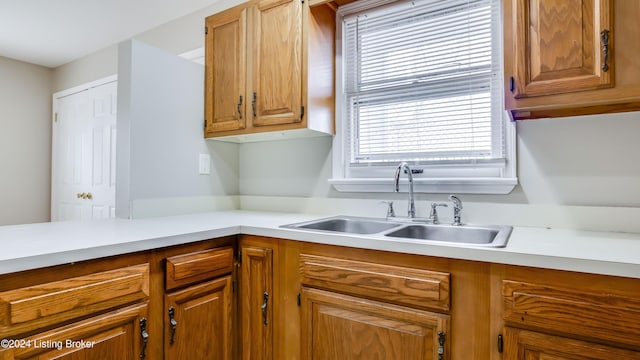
(562, 46)
(570, 57)
(269, 69)
(226, 42)
(277, 62)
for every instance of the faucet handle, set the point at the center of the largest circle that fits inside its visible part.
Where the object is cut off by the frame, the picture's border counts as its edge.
(390, 212)
(433, 214)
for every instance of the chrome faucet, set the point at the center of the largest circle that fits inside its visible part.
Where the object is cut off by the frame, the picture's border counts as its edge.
(457, 209)
(411, 211)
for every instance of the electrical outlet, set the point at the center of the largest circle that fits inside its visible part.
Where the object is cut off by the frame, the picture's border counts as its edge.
(204, 164)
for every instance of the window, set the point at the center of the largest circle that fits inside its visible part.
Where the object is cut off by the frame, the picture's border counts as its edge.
(421, 81)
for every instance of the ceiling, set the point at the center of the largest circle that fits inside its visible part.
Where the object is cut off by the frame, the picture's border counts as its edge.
(51, 33)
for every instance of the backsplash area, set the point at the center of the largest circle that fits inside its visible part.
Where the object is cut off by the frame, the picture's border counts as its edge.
(575, 172)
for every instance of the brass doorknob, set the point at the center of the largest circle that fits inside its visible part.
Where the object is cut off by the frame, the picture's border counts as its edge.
(89, 196)
(80, 195)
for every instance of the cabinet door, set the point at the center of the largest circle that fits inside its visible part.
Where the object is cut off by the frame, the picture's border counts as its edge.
(337, 326)
(225, 71)
(256, 309)
(114, 335)
(560, 46)
(529, 345)
(276, 71)
(198, 321)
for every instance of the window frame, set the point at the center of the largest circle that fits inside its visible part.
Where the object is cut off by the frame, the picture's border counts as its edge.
(478, 178)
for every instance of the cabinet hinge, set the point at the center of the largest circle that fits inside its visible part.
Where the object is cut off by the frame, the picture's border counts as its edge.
(55, 117)
(299, 299)
(206, 30)
(512, 84)
(301, 112)
(233, 286)
(240, 257)
(500, 343)
(205, 124)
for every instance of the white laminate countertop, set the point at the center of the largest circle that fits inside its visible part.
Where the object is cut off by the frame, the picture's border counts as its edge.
(34, 246)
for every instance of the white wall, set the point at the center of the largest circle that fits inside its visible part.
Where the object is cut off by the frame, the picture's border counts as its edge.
(578, 172)
(160, 130)
(177, 36)
(25, 142)
(589, 160)
(585, 161)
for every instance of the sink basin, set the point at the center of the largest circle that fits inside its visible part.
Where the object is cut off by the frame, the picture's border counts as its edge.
(482, 236)
(352, 225)
(495, 236)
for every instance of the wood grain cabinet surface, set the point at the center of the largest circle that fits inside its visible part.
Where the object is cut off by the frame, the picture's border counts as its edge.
(257, 302)
(565, 58)
(46, 304)
(337, 326)
(269, 67)
(563, 315)
(118, 334)
(354, 309)
(199, 321)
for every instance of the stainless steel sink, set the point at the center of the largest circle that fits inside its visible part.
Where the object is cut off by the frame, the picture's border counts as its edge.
(496, 236)
(411, 230)
(352, 225)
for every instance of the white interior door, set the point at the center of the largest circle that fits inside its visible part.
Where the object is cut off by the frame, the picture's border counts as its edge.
(84, 154)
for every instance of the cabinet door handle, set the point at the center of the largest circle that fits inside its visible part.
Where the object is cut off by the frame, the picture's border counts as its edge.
(604, 38)
(253, 103)
(239, 105)
(265, 303)
(173, 323)
(144, 337)
(441, 339)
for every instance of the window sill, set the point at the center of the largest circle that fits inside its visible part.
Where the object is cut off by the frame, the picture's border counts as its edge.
(500, 186)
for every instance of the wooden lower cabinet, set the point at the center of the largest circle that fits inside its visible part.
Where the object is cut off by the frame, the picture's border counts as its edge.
(256, 302)
(199, 321)
(119, 334)
(530, 345)
(337, 326)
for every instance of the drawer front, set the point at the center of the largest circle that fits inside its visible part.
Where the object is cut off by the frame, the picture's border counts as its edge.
(53, 302)
(602, 316)
(393, 284)
(198, 266)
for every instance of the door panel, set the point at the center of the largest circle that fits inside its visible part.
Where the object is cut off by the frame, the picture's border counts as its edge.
(559, 47)
(257, 304)
(529, 345)
(83, 174)
(337, 326)
(225, 85)
(277, 62)
(202, 315)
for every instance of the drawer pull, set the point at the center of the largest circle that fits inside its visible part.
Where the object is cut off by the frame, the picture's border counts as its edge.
(441, 339)
(604, 37)
(173, 323)
(263, 308)
(144, 337)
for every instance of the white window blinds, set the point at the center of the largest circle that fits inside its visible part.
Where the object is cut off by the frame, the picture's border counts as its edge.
(421, 83)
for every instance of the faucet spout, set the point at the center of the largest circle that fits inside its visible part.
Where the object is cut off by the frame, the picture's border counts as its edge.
(411, 210)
